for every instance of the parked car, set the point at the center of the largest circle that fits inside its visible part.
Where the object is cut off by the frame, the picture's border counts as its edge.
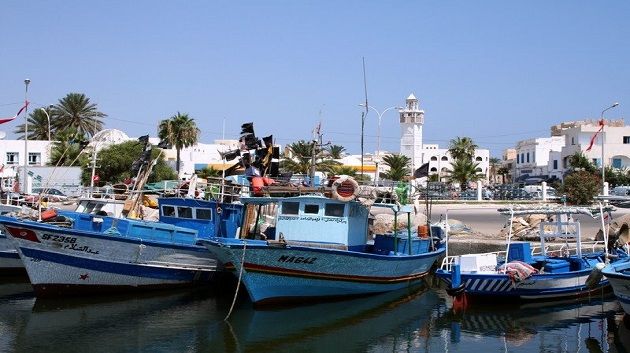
(51, 194)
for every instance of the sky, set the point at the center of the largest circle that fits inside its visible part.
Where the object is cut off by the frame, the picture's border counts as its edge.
(495, 71)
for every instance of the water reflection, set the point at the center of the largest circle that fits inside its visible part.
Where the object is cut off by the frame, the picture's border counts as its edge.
(192, 321)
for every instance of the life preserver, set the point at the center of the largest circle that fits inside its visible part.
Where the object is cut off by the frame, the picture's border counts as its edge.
(345, 188)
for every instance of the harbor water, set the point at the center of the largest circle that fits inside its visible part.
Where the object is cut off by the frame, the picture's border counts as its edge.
(412, 320)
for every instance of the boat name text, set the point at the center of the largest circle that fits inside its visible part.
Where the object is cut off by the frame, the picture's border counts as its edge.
(297, 259)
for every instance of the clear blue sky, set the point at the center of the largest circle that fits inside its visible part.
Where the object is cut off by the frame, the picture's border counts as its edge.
(497, 71)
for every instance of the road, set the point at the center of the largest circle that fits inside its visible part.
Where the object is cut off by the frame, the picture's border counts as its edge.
(485, 219)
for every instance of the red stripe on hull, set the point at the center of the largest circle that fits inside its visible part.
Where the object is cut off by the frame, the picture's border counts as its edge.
(328, 276)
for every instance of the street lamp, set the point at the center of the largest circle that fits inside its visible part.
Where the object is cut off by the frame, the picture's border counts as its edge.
(378, 136)
(601, 118)
(47, 118)
(25, 172)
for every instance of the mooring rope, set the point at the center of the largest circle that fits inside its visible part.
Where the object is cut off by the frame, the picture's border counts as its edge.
(238, 285)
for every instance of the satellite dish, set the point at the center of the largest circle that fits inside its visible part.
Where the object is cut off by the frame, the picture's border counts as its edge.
(3, 134)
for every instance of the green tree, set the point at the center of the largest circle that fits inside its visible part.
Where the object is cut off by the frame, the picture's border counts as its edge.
(617, 176)
(76, 111)
(301, 153)
(336, 151)
(116, 160)
(580, 187)
(398, 166)
(344, 170)
(180, 131)
(462, 148)
(579, 161)
(495, 164)
(463, 171)
(209, 172)
(37, 126)
(67, 148)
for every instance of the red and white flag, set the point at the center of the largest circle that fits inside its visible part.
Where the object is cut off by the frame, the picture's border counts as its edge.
(601, 128)
(6, 120)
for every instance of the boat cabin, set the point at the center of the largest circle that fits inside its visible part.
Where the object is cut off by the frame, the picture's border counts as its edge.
(209, 218)
(318, 219)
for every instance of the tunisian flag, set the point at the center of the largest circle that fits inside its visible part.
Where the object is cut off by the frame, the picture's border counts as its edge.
(6, 120)
(601, 128)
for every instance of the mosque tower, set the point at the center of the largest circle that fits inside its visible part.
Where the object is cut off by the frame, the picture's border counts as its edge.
(411, 121)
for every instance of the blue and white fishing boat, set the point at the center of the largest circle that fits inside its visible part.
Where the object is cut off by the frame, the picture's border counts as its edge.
(569, 268)
(78, 252)
(618, 273)
(321, 247)
(10, 262)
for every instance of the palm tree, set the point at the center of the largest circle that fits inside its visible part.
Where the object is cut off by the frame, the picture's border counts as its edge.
(494, 167)
(398, 166)
(301, 158)
(67, 148)
(336, 151)
(179, 131)
(464, 171)
(37, 126)
(345, 170)
(462, 147)
(75, 110)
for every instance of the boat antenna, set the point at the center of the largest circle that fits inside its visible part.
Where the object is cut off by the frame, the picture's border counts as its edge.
(365, 113)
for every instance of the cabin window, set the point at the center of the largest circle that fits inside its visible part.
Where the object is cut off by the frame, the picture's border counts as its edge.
(290, 207)
(203, 213)
(313, 209)
(168, 211)
(184, 212)
(334, 210)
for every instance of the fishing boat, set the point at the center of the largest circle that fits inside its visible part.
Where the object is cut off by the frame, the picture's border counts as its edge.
(10, 262)
(570, 267)
(73, 252)
(618, 273)
(320, 247)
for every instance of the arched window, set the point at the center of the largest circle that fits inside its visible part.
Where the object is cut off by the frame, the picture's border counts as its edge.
(434, 158)
(444, 158)
(479, 159)
(434, 169)
(479, 170)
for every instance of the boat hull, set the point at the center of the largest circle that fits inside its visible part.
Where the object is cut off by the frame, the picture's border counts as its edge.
(291, 273)
(10, 262)
(534, 288)
(619, 277)
(61, 262)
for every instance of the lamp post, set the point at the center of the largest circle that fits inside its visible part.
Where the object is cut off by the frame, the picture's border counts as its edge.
(25, 172)
(47, 118)
(378, 134)
(601, 118)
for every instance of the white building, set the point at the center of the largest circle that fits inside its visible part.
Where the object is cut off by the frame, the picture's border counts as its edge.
(13, 156)
(412, 146)
(538, 157)
(578, 134)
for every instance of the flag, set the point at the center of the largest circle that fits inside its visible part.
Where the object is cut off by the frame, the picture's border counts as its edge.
(164, 144)
(6, 120)
(590, 145)
(423, 171)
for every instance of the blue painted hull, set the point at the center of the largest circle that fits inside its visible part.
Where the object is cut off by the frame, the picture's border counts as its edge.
(62, 261)
(274, 273)
(536, 287)
(619, 276)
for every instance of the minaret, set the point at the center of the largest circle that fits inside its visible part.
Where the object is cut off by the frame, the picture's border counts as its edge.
(411, 121)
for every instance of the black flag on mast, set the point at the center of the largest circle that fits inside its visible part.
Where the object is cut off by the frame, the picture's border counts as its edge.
(423, 171)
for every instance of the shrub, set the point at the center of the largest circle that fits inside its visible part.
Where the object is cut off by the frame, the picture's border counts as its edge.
(580, 187)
